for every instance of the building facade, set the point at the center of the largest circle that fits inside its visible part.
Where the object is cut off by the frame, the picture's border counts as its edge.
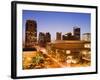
(69, 36)
(58, 36)
(48, 37)
(86, 37)
(30, 33)
(42, 39)
(76, 33)
(77, 49)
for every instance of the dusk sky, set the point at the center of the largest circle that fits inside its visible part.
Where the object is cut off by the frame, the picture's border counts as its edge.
(57, 21)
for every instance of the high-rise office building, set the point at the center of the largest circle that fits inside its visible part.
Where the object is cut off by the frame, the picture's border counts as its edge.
(30, 33)
(42, 39)
(76, 32)
(58, 35)
(48, 37)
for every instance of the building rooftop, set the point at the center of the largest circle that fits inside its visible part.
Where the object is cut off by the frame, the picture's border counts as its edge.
(70, 41)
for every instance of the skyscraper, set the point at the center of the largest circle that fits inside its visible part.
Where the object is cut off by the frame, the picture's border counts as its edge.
(76, 32)
(30, 33)
(58, 36)
(48, 37)
(42, 39)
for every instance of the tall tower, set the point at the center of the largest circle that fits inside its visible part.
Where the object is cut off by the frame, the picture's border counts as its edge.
(30, 33)
(58, 36)
(76, 31)
(48, 37)
(42, 39)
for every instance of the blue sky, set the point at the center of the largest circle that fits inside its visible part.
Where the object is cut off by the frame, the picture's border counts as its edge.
(57, 21)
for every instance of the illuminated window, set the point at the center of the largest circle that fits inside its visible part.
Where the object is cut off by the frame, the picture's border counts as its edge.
(68, 51)
(84, 52)
(87, 45)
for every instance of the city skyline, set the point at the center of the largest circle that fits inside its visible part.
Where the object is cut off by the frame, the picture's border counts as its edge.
(57, 21)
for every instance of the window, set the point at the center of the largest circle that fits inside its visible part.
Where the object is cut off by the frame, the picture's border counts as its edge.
(87, 45)
(68, 51)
